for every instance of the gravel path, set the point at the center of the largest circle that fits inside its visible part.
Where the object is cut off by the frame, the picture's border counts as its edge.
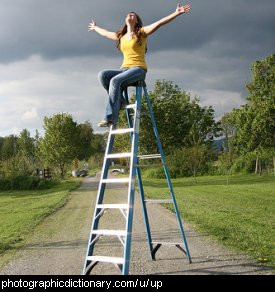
(58, 244)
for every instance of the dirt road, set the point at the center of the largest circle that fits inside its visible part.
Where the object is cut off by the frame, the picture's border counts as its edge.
(58, 244)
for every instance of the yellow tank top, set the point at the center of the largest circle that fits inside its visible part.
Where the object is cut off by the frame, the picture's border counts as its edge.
(133, 53)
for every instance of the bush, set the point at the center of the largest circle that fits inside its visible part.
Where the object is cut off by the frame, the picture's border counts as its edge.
(5, 184)
(18, 165)
(24, 183)
(244, 164)
(154, 173)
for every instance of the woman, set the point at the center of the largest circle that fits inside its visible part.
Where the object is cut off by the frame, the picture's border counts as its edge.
(131, 41)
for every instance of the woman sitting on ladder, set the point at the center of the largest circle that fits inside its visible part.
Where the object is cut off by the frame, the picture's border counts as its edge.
(131, 41)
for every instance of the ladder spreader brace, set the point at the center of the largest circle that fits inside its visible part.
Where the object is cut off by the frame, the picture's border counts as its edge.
(127, 209)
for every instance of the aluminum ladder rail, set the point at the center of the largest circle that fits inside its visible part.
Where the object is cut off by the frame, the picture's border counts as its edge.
(127, 209)
(155, 245)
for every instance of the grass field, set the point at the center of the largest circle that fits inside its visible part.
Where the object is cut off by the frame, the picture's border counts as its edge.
(20, 211)
(240, 214)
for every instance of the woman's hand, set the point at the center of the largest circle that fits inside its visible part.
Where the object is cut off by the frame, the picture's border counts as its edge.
(108, 34)
(183, 8)
(91, 26)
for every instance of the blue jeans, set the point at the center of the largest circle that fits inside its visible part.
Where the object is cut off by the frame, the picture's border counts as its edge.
(115, 81)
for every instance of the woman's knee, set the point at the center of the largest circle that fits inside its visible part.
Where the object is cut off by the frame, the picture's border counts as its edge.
(115, 82)
(102, 75)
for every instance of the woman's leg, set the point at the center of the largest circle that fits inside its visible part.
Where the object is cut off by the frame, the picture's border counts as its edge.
(105, 77)
(116, 85)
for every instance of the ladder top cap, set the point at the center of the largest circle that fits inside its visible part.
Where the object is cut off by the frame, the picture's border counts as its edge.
(138, 83)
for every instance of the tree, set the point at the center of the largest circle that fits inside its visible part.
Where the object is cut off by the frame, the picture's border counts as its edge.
(60, 144)
(85, 141)
(228, 130)
(26, 144)
(171, 108)
(9, 147)
(176, 114)
(98, 144)
(255, 121)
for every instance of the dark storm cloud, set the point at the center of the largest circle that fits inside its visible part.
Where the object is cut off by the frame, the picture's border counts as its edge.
(55, 29)
(46, 53)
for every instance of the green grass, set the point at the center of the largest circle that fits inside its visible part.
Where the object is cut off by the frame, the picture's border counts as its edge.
(21, 211)
(240, 214)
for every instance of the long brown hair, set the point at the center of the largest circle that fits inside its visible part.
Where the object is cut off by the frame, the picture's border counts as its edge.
(137, 32)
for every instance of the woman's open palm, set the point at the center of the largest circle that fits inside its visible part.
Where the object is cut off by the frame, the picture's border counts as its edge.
(183, 8)
(91, 26)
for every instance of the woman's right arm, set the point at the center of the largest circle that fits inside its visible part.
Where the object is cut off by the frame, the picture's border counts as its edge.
(108, 34)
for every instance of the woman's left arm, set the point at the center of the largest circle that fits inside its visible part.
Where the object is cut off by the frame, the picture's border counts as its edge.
(149, 29)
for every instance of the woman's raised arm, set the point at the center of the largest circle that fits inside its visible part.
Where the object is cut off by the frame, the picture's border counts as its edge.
(108, 34)
(149, 29)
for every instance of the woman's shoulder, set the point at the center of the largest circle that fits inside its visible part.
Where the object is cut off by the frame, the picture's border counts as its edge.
(142, 31)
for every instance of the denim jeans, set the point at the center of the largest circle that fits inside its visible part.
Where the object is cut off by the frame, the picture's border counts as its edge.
(115, 81)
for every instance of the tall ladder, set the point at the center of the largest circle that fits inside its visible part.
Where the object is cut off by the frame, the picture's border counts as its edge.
(127, 209)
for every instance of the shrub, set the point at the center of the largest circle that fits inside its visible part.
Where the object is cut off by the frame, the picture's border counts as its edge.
(24, 183)
(154, 173)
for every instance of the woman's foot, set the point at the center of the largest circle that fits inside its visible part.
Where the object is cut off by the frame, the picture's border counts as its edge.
(105, 124)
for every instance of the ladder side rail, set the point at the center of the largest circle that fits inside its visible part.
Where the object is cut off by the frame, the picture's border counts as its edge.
(166, 172)
(140, 184)
(99, 199)
(131, 188)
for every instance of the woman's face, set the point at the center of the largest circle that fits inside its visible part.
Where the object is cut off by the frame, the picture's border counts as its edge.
(131, 18)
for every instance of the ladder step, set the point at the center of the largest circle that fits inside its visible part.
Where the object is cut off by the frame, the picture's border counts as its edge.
(116, 180)
(122, 131)
(159, 201)
(112, 260)
(166, 243)
(109, 232)
(119, 155)
(133, 105)
(149, 165)
(112, 206)
(150, 156)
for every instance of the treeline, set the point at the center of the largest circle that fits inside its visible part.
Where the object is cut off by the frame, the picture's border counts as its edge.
(64, 141)
(188, 130)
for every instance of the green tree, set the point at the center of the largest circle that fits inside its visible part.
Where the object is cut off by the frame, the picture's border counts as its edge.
(228, 130)
(176, 114)
(85, 141)
(9, 147)
(26, 144)
(60, 144)
(98, 144)
(255, 121)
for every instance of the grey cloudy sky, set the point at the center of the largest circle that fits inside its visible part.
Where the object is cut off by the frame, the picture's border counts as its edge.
(49, 62)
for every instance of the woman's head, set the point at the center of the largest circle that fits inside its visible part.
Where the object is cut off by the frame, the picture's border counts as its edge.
(132, 19)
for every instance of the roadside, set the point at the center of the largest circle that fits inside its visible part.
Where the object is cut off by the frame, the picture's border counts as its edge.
(58, 245)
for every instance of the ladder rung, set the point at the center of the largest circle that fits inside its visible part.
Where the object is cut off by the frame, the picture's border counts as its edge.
(142, 114)
(109, 232)
(112, 206)
(150, 156)
(112, 260)
(166, 243)
(159, 201)
(116, 180)
(148, 165)
(119, 155)
(122, 131)
(133, 105)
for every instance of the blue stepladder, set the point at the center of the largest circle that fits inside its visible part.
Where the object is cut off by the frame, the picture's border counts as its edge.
(127, 209)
